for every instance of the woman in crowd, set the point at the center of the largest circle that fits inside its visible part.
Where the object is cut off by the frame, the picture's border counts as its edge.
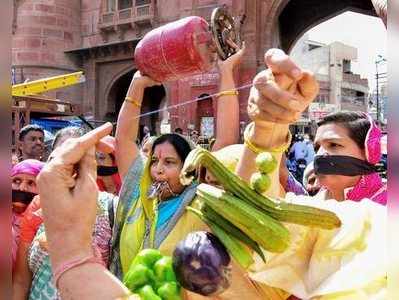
(108, 179)
(348, 147)
(351, 143)
(33, 278)
(157, 179)
(23, 183)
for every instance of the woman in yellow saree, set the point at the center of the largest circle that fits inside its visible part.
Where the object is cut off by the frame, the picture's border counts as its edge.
(151, 209)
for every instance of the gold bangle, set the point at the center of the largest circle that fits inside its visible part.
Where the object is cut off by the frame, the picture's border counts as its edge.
(130, 100)
(258, 150)
(227, 93)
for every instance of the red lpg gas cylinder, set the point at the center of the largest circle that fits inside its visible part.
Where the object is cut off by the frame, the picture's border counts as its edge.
(176, 49)
(185, 47)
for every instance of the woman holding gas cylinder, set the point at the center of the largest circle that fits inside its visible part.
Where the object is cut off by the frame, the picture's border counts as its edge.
(159, 175)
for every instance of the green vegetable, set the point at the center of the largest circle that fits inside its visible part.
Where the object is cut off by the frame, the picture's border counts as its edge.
(233, 244)
(163, 269)
(265, 162)
(137, 276)
(148, 293)
(260, 182)
(217, 219)
(150, 271)
(169, 291)
(148, 257)
(270, 234)
(277, 209)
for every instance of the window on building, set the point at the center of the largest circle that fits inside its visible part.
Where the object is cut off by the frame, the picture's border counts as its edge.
(322, 98)
(123, 4)
(109, 5)
(360, 97)
(142, 2)
(346, 68)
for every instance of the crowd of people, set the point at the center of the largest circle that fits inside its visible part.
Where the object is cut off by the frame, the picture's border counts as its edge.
(82, 215)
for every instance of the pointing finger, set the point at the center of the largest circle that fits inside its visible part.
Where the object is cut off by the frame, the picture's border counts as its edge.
(281, 63)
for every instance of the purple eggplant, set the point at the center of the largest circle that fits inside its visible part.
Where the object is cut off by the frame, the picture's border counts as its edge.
(201, 264)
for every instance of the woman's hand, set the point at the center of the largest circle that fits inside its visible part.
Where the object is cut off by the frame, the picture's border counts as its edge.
(231, 62)
(282, 92)
(68, 194)
(141, 81)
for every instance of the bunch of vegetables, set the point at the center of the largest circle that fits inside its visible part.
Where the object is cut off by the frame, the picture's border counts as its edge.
(244, 219)
(151, 276)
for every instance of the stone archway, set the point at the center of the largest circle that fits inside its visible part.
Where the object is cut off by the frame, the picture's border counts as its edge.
(283, 22)
(306, 14)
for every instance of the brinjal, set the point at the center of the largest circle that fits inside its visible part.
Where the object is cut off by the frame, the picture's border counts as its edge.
(202, 264)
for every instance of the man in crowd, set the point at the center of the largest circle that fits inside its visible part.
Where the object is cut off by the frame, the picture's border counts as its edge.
(31, 142)
(299, 149)
(309, 149)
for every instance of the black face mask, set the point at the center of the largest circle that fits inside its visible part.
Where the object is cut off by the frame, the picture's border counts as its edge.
(342, 165)
(106, 170)
(22, 197)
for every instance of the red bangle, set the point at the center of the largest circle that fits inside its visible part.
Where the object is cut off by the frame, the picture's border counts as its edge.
(74, 262)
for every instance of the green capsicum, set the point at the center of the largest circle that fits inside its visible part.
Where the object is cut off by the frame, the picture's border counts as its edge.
(148, 293)
(138, 276)
(163, 269)
(169, 291)
(151, 276)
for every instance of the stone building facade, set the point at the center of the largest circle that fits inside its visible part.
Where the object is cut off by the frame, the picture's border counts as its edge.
(52, 37)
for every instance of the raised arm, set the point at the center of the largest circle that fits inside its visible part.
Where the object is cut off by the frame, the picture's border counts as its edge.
(228, 107)
(279, 96)
(128, 122)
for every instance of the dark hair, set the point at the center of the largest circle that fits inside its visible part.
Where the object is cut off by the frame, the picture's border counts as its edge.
(355, 122)
(70, 131)
(181, 145)
(28, 128)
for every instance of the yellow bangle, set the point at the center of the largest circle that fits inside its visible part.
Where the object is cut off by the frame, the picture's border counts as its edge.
(258, 150)
(135, 102)
(227, 93)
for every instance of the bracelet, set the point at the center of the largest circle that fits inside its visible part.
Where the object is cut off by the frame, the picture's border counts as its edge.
(227, 93)
(130, 100)
(72, 263)
(258, 150)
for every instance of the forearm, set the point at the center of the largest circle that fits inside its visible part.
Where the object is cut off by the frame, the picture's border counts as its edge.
(283, 172)
(20, 291)
(86, 281)
(227, 117)
(22, 276)
(268, 138)
(91, 281)
(127, 129)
